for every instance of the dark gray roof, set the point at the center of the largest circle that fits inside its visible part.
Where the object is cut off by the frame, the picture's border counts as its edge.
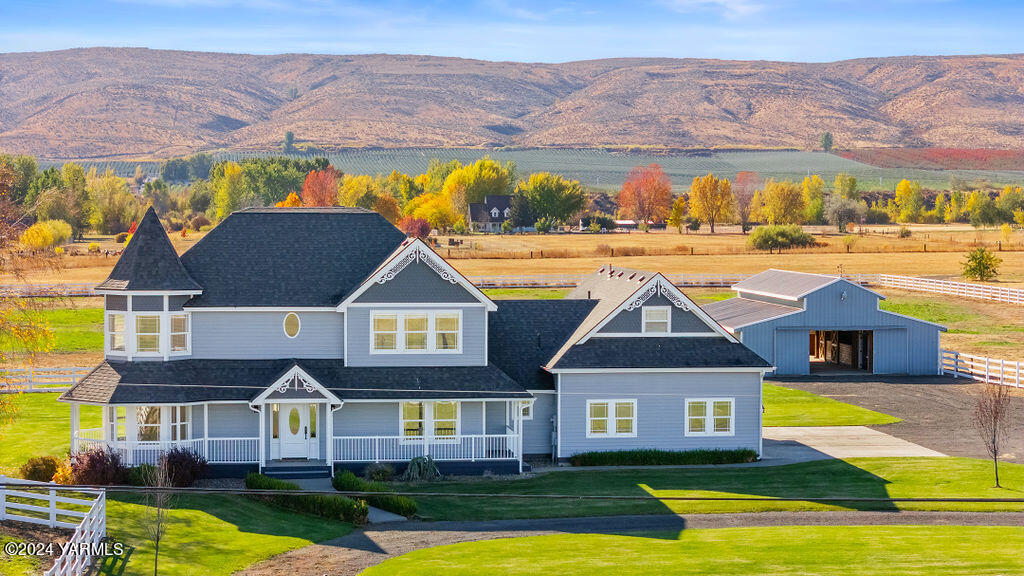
(481, 211)
(524, 334)
(149, 262)
(289, 256)
(736, 313)
(195, 380)
(644, 352)
(784, 283)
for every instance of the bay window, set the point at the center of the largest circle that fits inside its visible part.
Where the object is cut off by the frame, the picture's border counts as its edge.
(179, 332)
(147, 334)
(179, 422)
(710, 416)
(115, 332)
(416, 332)
(148, 420)
(611, 418)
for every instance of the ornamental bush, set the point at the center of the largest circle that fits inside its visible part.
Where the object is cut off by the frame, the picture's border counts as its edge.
(40, 468)
(184, 466)
(652, 457)
(96, 466)
(779, 237)
(337, 507)
(349, 482)
(380, 472)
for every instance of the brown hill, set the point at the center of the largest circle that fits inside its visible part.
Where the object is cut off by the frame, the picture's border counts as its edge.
(129, 102)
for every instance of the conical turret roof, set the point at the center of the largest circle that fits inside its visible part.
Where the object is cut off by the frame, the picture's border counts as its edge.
(149, 262)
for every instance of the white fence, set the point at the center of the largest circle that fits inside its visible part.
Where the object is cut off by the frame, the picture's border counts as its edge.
(48, 290)
(44, 506)
(962, 289)
(41, 379)
(994, 370)
(469, 447)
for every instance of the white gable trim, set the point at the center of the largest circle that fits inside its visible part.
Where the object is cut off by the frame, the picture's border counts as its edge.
(417, 251)
(659, 285)
(298, 379)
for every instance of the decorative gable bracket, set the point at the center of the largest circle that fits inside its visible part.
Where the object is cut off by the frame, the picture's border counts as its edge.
(298, 380)
(418, 253)
(658, 287)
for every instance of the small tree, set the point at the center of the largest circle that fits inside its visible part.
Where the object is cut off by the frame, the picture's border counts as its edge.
(981, 265)
(992, 419)
(646, 194)
(157, 503)
(289, 142)
(826, 142)
(711, 199)
(677, 217)
(414, 227)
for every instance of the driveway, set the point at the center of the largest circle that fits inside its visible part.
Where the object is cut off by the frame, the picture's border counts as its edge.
(351, 554)
(936, 411)
(838, 442)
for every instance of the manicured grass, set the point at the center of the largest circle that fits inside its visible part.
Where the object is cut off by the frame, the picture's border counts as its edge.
(974, 326)
(525, 293)
(781, 551)
(789, 407)
(42, 427)
(17, 565)
(212, 535)
(74, 329)
(855, 478)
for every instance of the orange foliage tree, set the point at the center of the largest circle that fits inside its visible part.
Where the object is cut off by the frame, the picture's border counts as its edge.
(321, 187)
(387, 206)
(292, 201)
(646, 194)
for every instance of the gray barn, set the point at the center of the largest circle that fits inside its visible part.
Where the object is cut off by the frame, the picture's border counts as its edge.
(812, 323)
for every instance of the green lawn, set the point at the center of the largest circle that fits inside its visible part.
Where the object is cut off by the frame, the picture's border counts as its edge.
(17, 565)
(781, 551)
(212, 535)
(74, 329)
(854, 478)
(43, 427)
(525, 293)
(789, 407)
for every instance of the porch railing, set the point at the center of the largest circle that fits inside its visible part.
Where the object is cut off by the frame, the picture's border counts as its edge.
(215, 450)
(471, 447)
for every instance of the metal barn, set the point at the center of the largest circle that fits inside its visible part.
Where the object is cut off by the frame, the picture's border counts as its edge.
(817, 324)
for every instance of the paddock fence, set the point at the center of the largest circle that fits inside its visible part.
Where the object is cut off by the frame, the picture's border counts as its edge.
(40, 379)
(84, 511)
(983, 369)
(47, 290)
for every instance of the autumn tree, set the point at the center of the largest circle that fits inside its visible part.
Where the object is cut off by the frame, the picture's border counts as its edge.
(321, 187)
(292, 201)
(677, 216)
(387, 206)
(711, 199)
(743, 190)
(230, 188)
(846, 186)
(400, 186)
(472, 182)
(646, 195)
(358, 190)
(840, 211)
(414, 227)
(115, 207)
(992, 420)
(909, 201)
(813, 191)
(553, 197)
(436, 209)
(783, 202)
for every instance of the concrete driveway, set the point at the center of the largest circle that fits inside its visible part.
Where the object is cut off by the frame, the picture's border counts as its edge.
(802, 443)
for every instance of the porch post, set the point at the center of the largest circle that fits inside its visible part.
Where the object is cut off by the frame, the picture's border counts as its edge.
(206, 430)
(519, 434)
(329, 425)
(260, 443)
(74, 426)
(428, 426)
(105, 423)
(483, 419)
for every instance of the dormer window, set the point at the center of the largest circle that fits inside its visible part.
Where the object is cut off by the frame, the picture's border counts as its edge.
(657, 319)
(508, 212)
(416, 332)
(495, 213)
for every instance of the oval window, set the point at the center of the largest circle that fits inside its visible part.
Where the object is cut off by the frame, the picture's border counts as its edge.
(291, 325)
(293, 421)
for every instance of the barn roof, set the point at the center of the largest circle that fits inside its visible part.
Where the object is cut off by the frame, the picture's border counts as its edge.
(736, 313)
(786, 284)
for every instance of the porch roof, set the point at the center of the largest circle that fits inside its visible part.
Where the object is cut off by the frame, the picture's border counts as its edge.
(197, 380)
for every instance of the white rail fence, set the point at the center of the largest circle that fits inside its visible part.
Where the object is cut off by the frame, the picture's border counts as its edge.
(962, 289)
(43, 505)
(471, 447)
(48, 290)
(40, 379)
(983, 369)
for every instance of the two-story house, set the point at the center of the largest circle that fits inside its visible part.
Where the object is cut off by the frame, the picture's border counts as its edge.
(489, 215)
(310, 339)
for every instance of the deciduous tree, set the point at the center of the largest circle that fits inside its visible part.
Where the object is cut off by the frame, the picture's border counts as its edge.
(414, 227)
(292, 201)
(846, 186)
(646, 195)
(840, 211)
(783, 202)
(677, 217)
(743, 191)
(485, 177)
(711, 199)
(321, 187)
(813, 191)
(553, 197)
(981, 264)
(992, 420)
(826, 142)
(909, 201)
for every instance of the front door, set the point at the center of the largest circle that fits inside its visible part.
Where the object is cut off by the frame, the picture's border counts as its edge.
(294, 426)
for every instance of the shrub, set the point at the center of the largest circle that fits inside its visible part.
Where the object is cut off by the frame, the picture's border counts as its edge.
(337, 507)
(421, 468)
(981, 264)
(59, 250)
(37, 237)
(542, 226)
(40, 468)
(94, 247)
(141, 475)
(349, 482)
(694, 225)
(652, 457)
(904, 232)
(460, 228)
(198, 222)
(380, 472)
(184, 466)
(875, 215)
(121, 237)
(59, 229)
(99, 467)
(63, 473)
(788, 236)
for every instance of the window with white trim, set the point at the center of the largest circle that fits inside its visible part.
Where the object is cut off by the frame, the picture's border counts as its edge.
(710, 416)
(416, 332)
(115, 332)
(441, 418)
(291, 325)
(446, 419)
(147, 333)
(116, 418)
(180, 417)
(412, 419)
(611, 418)
(657, 319)
(527, 410)
(179, 332)
(147, 419)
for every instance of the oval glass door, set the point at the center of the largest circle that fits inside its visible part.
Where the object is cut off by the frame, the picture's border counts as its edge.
(295, 431)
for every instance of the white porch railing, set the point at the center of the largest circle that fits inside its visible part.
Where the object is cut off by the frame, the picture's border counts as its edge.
(988, 370)
(133, 452)
(48, 509)
(41, 379)
(470, 447)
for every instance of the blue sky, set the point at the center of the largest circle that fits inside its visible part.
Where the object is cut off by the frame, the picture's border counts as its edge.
(527, 30)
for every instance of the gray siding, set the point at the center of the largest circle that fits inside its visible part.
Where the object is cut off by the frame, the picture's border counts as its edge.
(631, 321)
(176, 302)
(474, 339)
(537, 432)
(660, 409)
(117, 302)
(254, 335)
(901, 345)
(416, 283)
(148, 303)
(382, 418)
(233, 421)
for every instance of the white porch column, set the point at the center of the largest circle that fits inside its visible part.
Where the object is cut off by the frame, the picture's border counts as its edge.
(483, 418)
(206, 431)
(74, 426)
(261, 444)
(105, 424)
(329, 425)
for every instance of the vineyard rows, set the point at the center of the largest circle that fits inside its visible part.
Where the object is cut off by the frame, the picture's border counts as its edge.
(601, 168)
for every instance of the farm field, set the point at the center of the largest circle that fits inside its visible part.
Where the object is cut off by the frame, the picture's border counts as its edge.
(784, 551)
(42, 428)
(607, 169)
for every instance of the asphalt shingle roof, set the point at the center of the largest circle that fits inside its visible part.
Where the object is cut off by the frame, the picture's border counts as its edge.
(784, 283)
(196, 380)
(289, 256)
(149, 262)
(644, 352)
(736, 313)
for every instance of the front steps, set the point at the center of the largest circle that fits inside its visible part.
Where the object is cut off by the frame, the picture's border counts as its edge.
(297, 469)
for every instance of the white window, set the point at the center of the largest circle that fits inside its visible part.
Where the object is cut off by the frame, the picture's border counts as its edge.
(118, 429)
(527, 411)
(412, 419)
(148, 420)
(508, 212)
(657, 319)
(416, 332)
(179, 332)
(446, 419)
(494, 213)
(115, 332)
(440, 418)
(611, 418)
(179, 422)
(147, 334)
(710, 416)
(291, 325)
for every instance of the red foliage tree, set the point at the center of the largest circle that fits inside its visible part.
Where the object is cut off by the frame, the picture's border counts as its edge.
(646, 194)
(414, 227)
(321, 187)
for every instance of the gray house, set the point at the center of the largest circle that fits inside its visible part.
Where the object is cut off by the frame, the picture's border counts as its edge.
(489, 215)
(303, 340)
(812, 323)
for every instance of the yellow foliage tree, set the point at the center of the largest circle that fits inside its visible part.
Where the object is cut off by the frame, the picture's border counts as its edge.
(357, 190)
(292, 201)
(711, 199)
(436, 209)
(783, 202)
(387, 206)
(37, 237)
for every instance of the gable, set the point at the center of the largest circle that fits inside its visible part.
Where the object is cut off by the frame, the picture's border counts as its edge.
(631, 321)
(417, 282)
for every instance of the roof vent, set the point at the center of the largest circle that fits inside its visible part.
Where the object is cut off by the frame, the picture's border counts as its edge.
(633, 275)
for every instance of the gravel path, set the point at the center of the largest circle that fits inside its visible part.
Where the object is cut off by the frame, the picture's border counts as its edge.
(936, 411)
(353, 553)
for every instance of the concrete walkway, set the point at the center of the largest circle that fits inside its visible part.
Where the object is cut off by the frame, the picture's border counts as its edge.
(841, 442)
